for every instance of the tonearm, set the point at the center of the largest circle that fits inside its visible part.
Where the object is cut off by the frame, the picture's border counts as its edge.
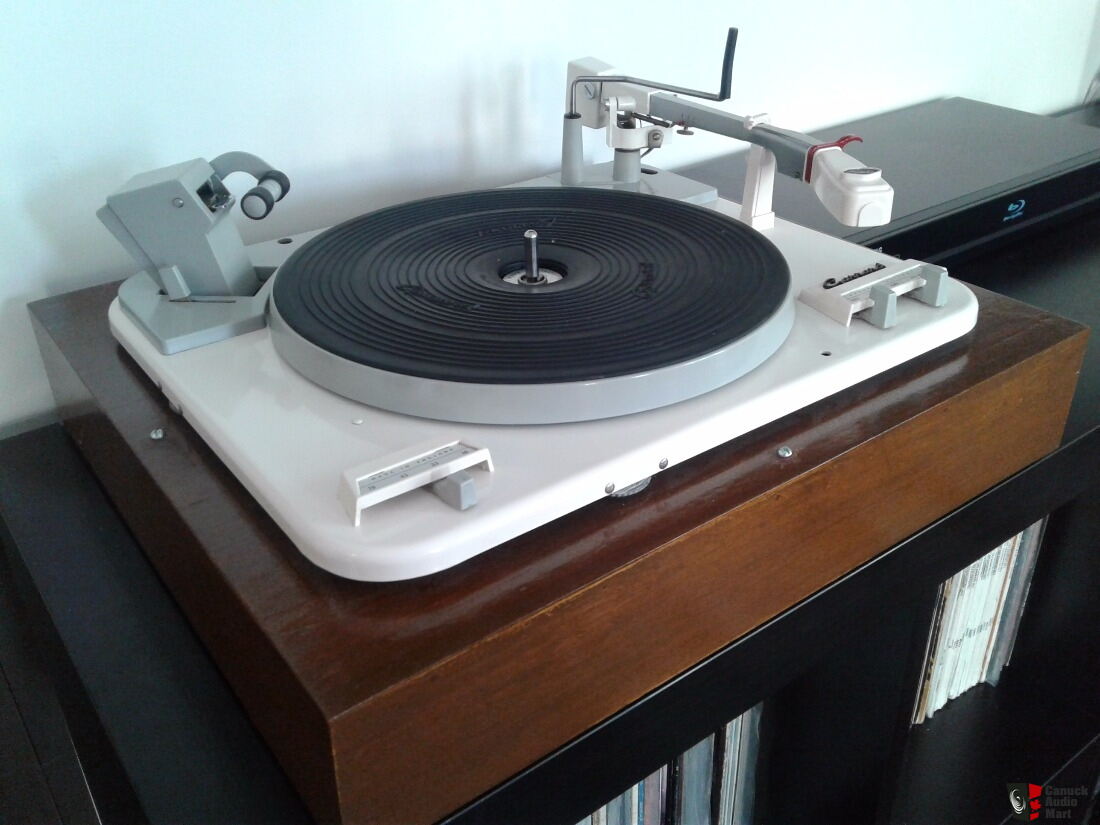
(638, 114)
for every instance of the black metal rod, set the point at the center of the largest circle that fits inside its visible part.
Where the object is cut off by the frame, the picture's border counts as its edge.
(531, 255)
(723, 92)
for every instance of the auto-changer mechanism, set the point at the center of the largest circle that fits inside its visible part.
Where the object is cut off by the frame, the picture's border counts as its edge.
(196, 284)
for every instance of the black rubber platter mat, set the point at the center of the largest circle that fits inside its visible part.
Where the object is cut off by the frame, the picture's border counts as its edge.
(419, 288)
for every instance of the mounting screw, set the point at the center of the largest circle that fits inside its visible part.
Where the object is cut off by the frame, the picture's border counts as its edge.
(784, 452)
(177, 202)
(610, 488)
(663, 464)
(157, 434)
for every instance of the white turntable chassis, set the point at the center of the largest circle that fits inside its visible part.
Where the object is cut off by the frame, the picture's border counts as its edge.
(292, 444)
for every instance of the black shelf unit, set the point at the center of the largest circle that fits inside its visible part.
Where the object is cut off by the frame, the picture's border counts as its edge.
(1043, 718)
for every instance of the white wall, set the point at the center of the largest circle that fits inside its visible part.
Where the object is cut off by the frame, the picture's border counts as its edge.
(366, 104)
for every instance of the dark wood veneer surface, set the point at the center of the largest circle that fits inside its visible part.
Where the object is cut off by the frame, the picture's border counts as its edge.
(397, 703)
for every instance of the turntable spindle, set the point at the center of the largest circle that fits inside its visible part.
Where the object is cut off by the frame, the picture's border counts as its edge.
(531, 255)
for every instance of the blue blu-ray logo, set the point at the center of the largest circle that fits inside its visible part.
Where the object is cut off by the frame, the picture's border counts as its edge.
(1014, 210)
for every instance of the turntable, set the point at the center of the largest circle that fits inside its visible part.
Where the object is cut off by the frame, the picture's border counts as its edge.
(417, 385)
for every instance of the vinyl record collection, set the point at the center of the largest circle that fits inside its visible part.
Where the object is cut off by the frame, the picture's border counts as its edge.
(711, 783)
(977, 617)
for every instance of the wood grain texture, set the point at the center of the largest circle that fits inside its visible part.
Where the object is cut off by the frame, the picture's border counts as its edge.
(397, 703)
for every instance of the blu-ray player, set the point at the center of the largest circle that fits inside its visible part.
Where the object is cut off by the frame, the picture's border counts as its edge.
(967, 175)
